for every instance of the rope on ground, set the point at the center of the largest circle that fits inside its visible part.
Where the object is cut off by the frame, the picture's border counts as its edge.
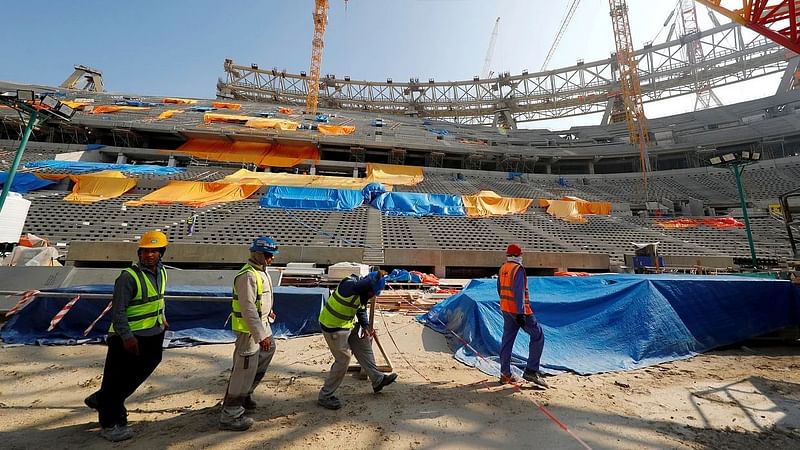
(402, 355)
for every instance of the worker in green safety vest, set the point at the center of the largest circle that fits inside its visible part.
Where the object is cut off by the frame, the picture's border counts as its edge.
(345, 326)
(136, 335)
(251, 314)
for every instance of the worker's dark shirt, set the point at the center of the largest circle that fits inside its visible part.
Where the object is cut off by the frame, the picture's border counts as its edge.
(124, 290)
(355, 286)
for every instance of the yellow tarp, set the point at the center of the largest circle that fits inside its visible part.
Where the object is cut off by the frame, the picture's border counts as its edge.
(587, 207)
(229, 118)
(277, 124)
(488, 203)
(226, 105)
(336, 130)
(394, 175)
(565, 210)
(99, 186)
(197, 194)
(288, 179)
(105, 109)
(75, 105)
(169, 113)
(179, 101)
(260, 153)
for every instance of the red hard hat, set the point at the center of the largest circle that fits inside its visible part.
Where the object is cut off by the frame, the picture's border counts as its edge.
(513, 250)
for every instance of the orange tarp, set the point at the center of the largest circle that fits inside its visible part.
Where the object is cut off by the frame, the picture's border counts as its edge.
(75, 105)
(277, 124)
(586, 207)
(179, 101)
(715, 222)
(104, 109)
(288, 179)
(230, 118)
(51, 176)
(488, 203)
(197, 194)
(259, 153)
(283, 110)
(169, 113)
(564, 209)
(336, 130)
(394, 175)
(99, 186)
(226, 105)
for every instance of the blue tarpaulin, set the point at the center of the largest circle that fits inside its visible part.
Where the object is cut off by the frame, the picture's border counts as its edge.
(82, 167)
(418, 204)
(200, 321)
(403, 276)
(439, 131)
(610, 323)
(25, 182)
(372, 190)
(292, 197)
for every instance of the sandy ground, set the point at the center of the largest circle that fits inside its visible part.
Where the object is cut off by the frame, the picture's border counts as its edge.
(743, 398)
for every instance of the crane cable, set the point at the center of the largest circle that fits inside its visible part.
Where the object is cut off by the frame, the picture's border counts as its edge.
(564, 23)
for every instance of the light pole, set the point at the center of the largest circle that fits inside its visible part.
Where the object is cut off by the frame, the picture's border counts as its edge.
(37, 110)
(736, 164)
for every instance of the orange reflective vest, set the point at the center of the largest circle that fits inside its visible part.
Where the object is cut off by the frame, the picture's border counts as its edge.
(505, 287)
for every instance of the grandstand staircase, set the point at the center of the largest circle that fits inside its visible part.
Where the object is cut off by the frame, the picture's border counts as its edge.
(373, 248)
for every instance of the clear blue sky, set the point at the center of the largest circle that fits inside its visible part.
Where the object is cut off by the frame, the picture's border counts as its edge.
(177, 47)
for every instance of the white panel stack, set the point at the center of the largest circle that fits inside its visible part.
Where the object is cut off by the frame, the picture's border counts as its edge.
(12, 218)
(345, 269)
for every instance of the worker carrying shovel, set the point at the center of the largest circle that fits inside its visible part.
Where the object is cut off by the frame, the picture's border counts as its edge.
(345, 326)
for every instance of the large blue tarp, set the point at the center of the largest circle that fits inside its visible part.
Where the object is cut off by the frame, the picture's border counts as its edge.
(320, 199)
(191, 321)
(81, 167)
(25, 182)
(419, 204)
(609, 323)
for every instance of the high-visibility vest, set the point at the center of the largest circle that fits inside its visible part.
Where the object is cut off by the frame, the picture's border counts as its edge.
(340, 311)
(237, 322)
(145, 312)
(505, 287)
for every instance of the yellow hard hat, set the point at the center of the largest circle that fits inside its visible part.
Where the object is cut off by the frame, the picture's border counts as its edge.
(153, 239)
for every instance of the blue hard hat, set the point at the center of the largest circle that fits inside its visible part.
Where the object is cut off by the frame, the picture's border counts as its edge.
(378, 283)
(264, 244)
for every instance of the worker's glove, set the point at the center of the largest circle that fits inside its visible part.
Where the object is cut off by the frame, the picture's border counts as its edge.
(520, 320)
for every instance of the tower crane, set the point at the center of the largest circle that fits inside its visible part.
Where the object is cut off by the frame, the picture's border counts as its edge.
(490, 51)
(320, 17)
(564, 22)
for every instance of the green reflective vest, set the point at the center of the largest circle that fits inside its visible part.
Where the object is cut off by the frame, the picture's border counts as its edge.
(145, 312)
(340, 311)
(237, 322)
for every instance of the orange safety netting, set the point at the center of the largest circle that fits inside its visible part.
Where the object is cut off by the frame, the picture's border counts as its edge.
(715, 222)
(563, 209)
(226, 105)
(394, 175)
(276, 124)
(336, 130)
(587, 207)
(288, 179)
(489, 203)
(106, 109)
(196, 193)
(99, 186)
(179, 101)
(260, 153)
(169, 113)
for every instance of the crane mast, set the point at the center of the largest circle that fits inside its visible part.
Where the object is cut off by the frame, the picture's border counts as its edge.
(320, 17)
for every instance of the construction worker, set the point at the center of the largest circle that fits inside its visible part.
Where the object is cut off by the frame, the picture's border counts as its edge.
(135, 337)
(346, 328)
(512, 286)
(250, 320)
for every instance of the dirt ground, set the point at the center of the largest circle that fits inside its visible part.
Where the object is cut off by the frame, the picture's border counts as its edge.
(743, 398)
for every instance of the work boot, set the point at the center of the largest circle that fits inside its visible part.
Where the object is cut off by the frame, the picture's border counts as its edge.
(91, 401)
(385, 381)
(508, 379)
(536, 378)
(249, 404)
(241, 423)
(117, 433)
(331, 402)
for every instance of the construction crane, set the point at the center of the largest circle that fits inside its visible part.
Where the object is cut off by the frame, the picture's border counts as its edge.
(564, 22)
(705, 97)
(630, 86)
(778, 20)
(320, 17)
(490, 51)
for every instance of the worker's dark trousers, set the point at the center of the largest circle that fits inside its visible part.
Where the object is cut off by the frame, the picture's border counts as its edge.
(123, 374)
(535, 345)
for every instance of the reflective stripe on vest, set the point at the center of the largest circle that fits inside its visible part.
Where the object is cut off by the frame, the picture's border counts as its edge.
(237, 322)
(145, 312)
(339, 311)
(505, 287)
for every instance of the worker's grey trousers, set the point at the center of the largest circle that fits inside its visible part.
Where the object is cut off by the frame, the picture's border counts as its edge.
(250, 363)
(341, 343)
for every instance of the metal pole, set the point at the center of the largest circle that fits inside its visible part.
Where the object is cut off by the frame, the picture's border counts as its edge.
(17, 158)
(737, 170)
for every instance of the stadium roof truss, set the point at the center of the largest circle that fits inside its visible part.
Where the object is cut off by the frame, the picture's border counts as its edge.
(665, 71)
